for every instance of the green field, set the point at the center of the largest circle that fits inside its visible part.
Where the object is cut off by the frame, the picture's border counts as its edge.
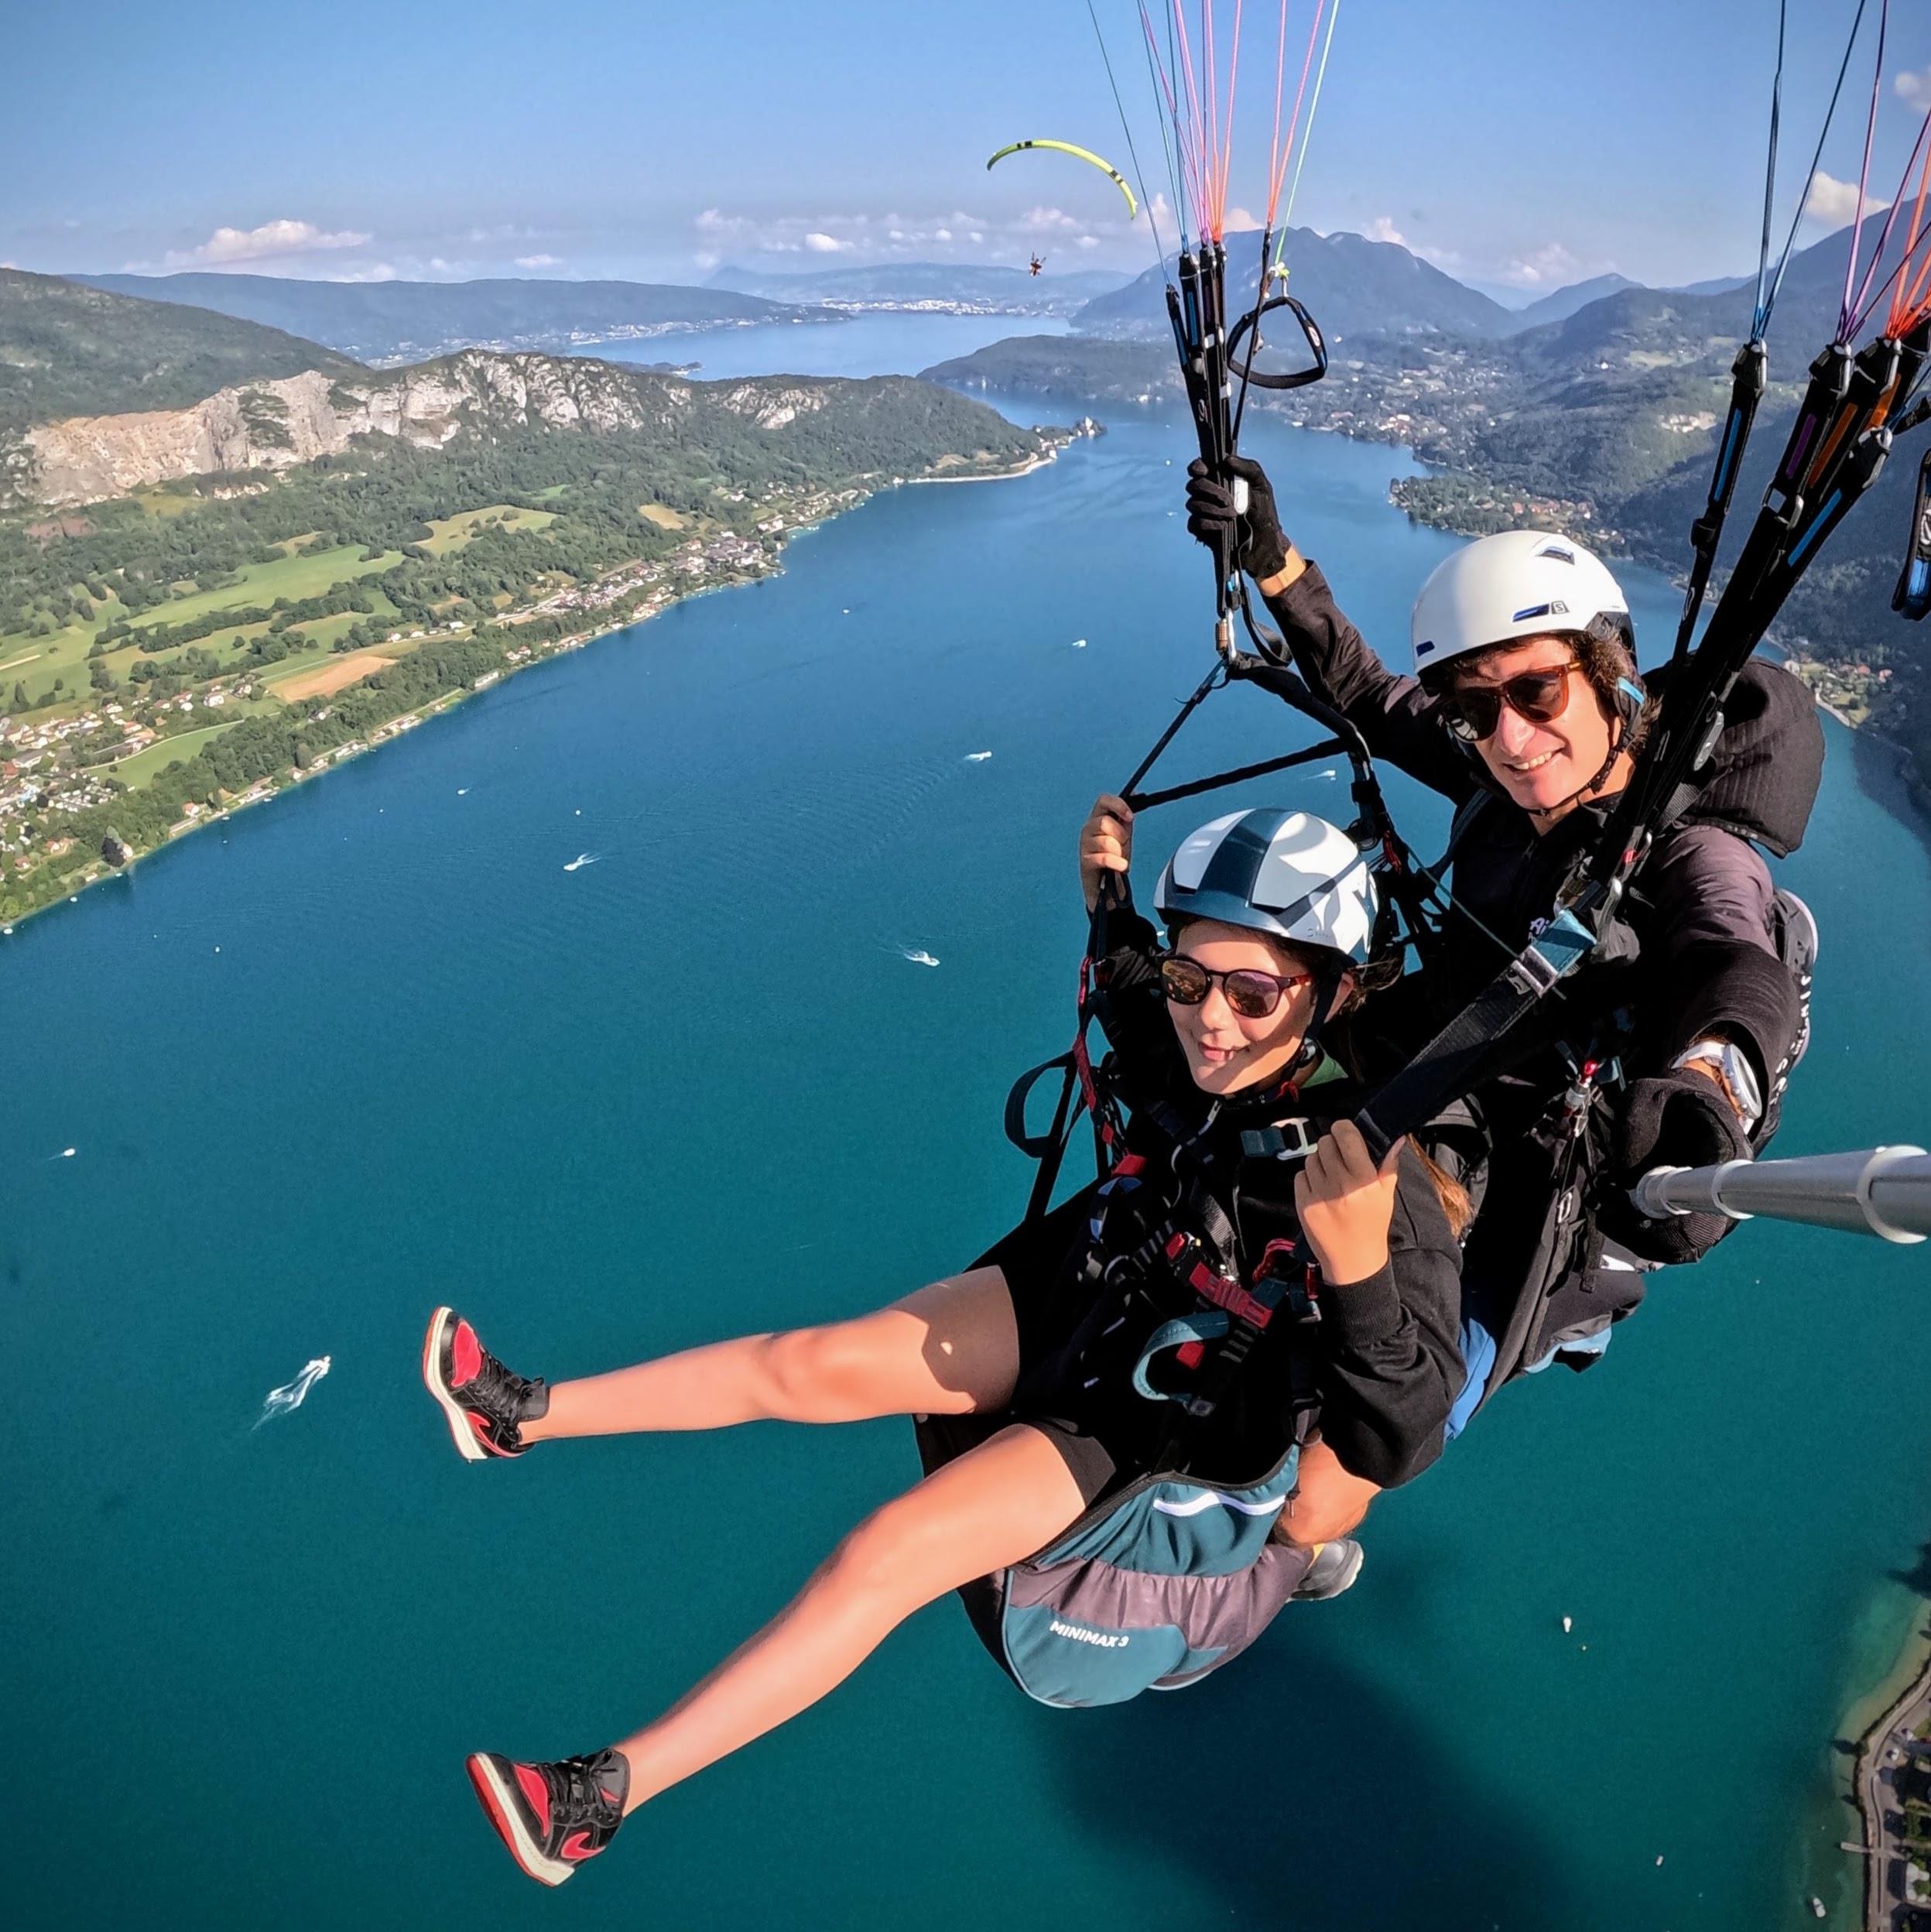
(294, 578)
(144, 765)
(36, 662)
(452, 532)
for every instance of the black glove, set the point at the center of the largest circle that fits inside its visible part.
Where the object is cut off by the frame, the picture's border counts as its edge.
(1254, 538)
(1677, 1119)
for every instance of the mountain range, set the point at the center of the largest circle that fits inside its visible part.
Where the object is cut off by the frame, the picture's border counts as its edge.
(984, 286)
(384, 323)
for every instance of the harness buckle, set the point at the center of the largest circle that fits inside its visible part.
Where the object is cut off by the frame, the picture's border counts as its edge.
(1274, 1142)
(1303, 1297)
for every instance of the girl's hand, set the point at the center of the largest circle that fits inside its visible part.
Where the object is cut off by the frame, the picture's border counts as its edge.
(1345, 1202)
(1106, 844)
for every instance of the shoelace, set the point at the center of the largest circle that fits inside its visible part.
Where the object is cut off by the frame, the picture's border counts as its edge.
(577, 1798)
(501, 1389)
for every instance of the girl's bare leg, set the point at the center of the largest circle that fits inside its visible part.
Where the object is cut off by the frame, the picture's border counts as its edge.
(950, 1348)
(994, 1506)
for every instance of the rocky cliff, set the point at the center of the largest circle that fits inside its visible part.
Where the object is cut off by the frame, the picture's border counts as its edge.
(273, 425)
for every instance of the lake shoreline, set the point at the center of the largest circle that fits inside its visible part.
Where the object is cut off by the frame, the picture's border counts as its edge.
(1056, 442)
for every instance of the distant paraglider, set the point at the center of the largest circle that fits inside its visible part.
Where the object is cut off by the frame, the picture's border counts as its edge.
(1079, 154)
(1036, 264)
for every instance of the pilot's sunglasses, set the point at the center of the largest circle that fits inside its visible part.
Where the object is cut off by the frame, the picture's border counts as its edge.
(1473, 711)
(1252, 994)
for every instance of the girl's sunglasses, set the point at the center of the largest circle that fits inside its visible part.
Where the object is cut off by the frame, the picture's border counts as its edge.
(1473, 711)
(1252, 994)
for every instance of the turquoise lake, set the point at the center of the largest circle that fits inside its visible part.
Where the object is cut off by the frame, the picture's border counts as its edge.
(371, 1046)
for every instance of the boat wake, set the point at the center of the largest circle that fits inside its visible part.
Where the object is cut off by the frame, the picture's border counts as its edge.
(581, 860)
(290, 1396)
(916, 956)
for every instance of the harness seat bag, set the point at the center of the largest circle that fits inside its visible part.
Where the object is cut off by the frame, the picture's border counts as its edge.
(1151, 1589)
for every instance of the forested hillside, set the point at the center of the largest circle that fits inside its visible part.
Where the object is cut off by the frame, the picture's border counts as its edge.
(383, 323)
(66, 350)
(305, 564)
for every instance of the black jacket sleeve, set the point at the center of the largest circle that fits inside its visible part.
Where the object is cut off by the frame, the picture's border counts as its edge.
(1395, 716)
(1713, 958)
(1393, 1365)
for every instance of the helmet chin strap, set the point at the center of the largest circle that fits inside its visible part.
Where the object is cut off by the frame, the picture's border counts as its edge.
(1327, 985)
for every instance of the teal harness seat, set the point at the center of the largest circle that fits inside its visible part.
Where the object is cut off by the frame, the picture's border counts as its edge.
(1151, 1589)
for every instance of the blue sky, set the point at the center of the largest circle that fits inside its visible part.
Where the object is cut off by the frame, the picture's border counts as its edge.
(1523, 141)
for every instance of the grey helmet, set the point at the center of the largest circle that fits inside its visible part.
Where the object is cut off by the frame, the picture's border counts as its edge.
(1288, 874)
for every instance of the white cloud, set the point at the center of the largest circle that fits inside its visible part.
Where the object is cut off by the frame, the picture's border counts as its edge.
(271, 240)
(1833, 202)
(1382, 229)
(1915, 89)
(1551, 266)
(375, 272)
(540, 261)
(1240, 219)
(719, 235)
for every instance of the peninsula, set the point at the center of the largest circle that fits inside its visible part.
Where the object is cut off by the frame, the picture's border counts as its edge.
(207, 601)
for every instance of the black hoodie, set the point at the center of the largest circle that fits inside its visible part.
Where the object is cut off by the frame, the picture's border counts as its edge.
(1389, 1363)
(1696, 957)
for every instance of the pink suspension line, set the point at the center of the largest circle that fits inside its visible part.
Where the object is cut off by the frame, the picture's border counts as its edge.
(1192, 132)
(1226, 138)
(1274, 169)
(1210, 61)
(1189, 188)
(1896, 282)
(1908, 306)
(1307, 62)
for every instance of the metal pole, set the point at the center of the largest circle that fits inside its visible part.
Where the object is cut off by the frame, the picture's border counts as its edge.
(1885, 1191)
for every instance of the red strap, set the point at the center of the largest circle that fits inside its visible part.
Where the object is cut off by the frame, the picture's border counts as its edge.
(1229, 1295)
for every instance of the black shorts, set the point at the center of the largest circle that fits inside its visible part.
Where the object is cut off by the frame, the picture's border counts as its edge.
(1105, 1434)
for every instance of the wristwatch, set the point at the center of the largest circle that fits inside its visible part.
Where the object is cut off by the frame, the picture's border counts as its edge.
(1730, 1066)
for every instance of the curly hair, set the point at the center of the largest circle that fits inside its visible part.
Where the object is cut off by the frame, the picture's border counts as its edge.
(1606, 650)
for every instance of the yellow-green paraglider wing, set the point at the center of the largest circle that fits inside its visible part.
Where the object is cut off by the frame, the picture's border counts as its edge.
(1079, 154)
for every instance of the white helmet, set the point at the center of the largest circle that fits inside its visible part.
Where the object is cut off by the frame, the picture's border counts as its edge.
(1286, 873)
(1517, 583)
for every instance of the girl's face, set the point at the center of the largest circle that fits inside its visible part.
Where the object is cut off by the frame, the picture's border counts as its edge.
(1226, 1053)
(1539, 766)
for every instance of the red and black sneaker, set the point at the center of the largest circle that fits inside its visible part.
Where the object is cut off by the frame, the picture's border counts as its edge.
(485, 1404)
(553, 1817)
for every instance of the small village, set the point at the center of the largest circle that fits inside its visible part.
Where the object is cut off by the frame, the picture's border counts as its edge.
(53, 767)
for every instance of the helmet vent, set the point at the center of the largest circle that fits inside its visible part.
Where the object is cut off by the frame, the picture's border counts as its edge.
(1560, 552)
